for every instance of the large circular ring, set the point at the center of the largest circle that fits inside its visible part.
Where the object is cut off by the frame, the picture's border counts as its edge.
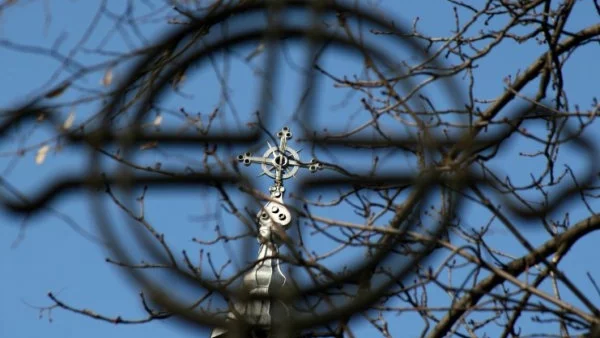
(281, 161)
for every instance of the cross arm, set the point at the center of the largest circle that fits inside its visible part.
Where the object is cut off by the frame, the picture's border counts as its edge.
(248, 159)
(313, 165)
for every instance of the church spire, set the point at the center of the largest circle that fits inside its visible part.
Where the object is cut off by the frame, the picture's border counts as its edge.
(266, 277)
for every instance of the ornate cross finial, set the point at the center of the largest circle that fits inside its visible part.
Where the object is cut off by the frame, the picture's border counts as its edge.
(280, 162)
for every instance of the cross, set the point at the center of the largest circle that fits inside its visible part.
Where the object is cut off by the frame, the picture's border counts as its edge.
(280, 162)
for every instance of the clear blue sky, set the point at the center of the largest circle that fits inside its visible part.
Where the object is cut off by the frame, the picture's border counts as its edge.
(52, 255)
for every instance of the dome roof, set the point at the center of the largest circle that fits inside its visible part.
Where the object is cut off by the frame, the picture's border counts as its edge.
(266, 276)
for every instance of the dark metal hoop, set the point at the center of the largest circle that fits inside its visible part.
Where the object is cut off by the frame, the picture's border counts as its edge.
(423, 182)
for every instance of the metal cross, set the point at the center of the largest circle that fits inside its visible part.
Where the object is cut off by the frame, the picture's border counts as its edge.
(280, 162)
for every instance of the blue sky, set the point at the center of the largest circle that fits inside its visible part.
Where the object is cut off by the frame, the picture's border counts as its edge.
(50, 254)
